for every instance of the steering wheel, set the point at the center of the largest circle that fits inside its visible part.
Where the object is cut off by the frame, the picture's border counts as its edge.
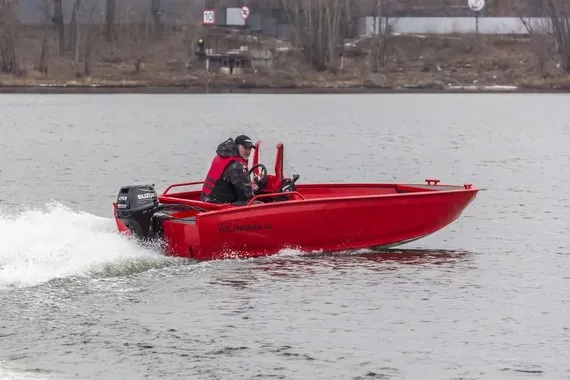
(261, 180)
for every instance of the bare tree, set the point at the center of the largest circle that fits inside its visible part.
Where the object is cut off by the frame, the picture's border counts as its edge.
(559, 13)
(44, 50)
(74, 25)
(557, 33)
(156, 12)
(8, 28)
(74, 35)
(59, 24)
(110, 19)
(541, 40)
(82, 35)
(318, 29)
(378, 42)
(382, 29)
(187, 16)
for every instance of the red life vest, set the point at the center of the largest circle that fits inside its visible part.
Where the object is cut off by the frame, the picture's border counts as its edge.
(219, 164)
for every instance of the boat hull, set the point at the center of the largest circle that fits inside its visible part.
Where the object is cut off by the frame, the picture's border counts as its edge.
(308, 217)
(315, 224)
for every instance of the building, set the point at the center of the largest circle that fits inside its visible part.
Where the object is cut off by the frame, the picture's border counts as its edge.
(271, 18)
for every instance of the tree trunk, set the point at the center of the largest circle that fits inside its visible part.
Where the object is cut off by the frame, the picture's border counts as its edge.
(381, 35)
(59, 25)
(558, 14)
(8, 25)
(156, 18)
(73, 25)
(87, 59)
(110, 20)
(318, 31)
(43, 65)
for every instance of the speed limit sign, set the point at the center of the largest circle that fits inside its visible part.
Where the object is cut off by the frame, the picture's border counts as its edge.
(209, 17)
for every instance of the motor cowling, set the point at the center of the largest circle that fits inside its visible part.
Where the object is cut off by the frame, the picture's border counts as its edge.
(136, 205)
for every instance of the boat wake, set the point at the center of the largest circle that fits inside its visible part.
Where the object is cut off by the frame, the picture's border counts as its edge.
(57, 242)
(7, 374)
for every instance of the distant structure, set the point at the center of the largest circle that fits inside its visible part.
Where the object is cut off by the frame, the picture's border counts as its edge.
(270, 18)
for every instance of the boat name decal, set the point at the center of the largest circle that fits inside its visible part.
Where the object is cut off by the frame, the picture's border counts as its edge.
(223, 228)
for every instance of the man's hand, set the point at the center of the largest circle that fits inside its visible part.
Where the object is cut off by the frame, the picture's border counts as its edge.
(254, 186)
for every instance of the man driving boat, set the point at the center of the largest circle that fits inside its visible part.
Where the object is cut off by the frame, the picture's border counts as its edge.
(228, 179)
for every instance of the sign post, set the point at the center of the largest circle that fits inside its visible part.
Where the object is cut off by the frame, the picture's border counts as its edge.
(476, 6)
(208, 18)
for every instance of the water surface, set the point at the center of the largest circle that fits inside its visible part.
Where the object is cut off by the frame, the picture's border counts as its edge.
(485, 298)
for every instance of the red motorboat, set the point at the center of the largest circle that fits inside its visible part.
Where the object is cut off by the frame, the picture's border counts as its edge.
(308, 217)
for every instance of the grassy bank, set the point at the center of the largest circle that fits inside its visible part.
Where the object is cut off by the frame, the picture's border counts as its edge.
(428, 63)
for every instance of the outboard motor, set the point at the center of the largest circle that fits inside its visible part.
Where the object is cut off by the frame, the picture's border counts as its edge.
(136, 205)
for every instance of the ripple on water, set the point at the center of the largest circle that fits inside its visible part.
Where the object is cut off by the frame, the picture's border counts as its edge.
(484, 298)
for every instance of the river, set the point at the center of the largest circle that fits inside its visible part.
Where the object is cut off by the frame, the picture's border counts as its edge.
(486, 298)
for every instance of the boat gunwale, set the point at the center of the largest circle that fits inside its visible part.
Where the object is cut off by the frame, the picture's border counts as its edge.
(350, 198)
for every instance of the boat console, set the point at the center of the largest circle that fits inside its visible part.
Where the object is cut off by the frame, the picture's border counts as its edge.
(272, 183)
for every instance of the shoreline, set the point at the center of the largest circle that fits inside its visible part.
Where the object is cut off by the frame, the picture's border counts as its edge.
(231, 88)
(427, 64)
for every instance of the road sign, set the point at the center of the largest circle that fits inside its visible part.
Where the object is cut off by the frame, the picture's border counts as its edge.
(244, 12)
(476, 5)
(209, 17)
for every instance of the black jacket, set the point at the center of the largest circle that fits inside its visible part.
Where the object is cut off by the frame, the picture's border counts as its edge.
(235, 184)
